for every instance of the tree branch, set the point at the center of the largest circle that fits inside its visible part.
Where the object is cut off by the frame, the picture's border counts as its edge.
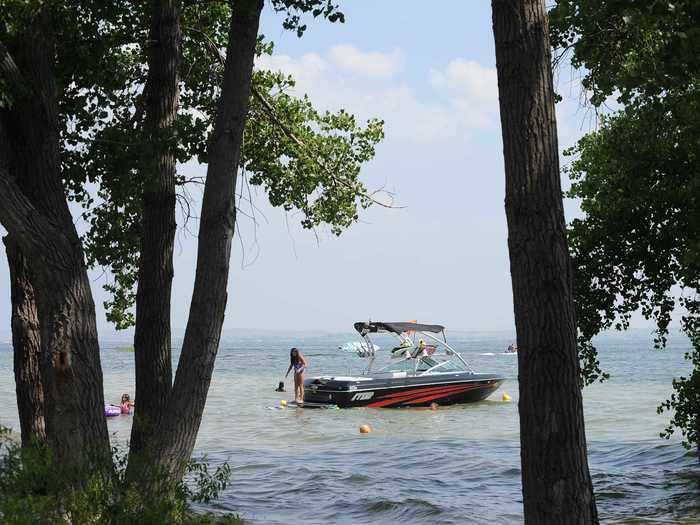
(32, 230)
(10, 73)
(272, 114)
(285, 129)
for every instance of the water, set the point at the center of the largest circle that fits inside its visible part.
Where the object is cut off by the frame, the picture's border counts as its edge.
(454, 465)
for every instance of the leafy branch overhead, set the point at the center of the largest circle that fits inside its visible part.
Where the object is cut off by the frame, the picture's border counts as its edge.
(312, 163)
(304, 159)
(294, 9)
(628, 48)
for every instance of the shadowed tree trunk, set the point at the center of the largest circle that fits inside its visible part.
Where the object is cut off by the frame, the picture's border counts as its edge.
(176, 437)
(556, 482)
(26, 342)
(34, 211)
(71, 374)
(152, 338)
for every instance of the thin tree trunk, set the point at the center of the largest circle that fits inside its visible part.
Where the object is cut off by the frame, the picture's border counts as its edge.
(556, 481)
(34, 211)
(152, 339)
(26, 343)
(177, 435)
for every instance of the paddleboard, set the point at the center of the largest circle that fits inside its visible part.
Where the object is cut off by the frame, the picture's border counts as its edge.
(312, 405)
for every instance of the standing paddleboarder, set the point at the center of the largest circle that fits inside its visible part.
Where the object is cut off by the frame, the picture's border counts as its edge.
(298, 363)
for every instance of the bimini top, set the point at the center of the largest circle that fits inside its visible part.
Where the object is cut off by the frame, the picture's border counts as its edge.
(397, 328)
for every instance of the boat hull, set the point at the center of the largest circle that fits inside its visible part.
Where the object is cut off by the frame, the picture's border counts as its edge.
(445, 389)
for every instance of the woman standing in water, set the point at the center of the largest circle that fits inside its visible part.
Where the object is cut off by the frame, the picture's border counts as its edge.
(298, 363)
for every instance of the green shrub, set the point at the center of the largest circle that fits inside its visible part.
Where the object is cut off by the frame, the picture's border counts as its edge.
(36, 489)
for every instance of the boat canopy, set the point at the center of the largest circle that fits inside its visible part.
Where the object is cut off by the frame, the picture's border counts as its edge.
(396, 328)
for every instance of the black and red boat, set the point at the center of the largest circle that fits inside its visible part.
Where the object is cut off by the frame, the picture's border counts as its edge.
(424, 370)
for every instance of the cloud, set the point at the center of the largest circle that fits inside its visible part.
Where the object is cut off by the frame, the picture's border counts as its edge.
(447, 107)
(468, 79)
(372, 64)
(472, 90)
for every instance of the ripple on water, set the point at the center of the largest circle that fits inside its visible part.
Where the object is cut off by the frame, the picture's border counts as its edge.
(650, 481)
(391, 511)
(409, 484)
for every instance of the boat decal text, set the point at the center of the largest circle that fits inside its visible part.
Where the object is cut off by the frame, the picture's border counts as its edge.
(363, 396)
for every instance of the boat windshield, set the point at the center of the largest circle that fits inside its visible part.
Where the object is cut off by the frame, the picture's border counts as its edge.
(426, 364)
(440, 365)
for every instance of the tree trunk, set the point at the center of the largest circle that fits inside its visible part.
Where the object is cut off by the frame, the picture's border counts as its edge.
(71, 369)
(152, 339)
(177, 435)
(26, 343)
(556, 482)
(71, 374)
(34, 211)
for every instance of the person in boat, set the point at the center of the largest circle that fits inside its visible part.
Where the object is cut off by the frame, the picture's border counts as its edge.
(126, 404)
(298, 363)
(424, 349)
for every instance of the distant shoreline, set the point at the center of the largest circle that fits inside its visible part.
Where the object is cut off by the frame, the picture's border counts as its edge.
(229, 335)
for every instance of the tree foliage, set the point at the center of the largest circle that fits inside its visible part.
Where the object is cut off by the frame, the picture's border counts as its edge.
(638, 178)
(98, 58)
(306, 159)
(303, 158)
(628, 48)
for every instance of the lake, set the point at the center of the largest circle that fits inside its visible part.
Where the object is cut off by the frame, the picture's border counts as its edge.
(457, 464)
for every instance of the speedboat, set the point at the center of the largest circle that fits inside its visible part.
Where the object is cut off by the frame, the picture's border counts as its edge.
(424, 369)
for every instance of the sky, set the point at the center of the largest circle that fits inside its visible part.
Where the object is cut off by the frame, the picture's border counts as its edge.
(428, 70)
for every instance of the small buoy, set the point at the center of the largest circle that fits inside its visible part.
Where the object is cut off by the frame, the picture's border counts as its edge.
(505, 397)
(283, 403)
(364, 429)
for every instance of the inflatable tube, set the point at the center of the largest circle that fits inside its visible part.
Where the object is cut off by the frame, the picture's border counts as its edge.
(112, 410)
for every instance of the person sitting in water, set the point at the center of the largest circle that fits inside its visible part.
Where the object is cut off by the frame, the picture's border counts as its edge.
(126, 404)
(298, 363)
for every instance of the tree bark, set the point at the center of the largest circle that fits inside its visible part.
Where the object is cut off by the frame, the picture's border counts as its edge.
(152, 338)
(34, 211)
(70, 368)
(26, 343)
(556, 481)
(177, 435)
